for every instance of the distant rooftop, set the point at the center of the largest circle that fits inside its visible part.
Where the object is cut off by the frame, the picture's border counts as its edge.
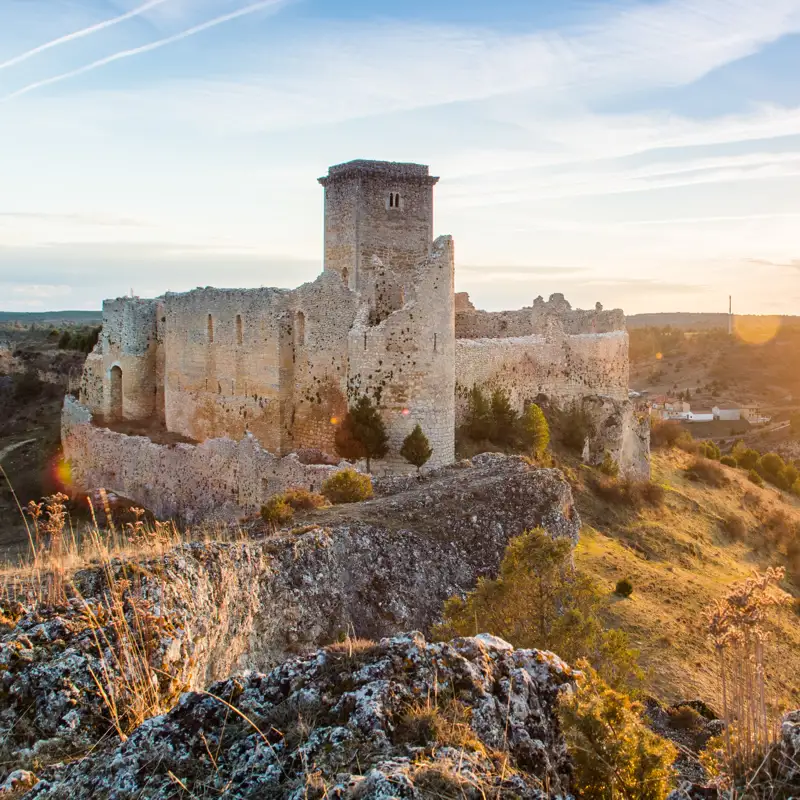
(390, 169)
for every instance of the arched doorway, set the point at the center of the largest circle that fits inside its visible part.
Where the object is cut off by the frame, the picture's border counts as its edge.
(115, 393)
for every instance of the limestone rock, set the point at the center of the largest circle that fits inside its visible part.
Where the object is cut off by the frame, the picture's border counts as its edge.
(403, 718)
(373, 568)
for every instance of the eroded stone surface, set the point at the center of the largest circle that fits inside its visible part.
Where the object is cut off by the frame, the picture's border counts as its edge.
(372, 569)
(352, 722)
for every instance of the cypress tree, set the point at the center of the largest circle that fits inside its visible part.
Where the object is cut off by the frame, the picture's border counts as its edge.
(535, 429)
(416, 448)
(504, 418)
(362, 434)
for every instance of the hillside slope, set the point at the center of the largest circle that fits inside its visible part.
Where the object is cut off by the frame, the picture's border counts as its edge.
(680, 558)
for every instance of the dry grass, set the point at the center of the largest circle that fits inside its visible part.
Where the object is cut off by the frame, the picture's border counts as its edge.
(681, 560)
(126, 631)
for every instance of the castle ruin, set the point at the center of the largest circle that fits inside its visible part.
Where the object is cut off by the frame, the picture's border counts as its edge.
(238, 386)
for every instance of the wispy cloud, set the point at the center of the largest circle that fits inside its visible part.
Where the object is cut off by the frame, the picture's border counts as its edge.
(80, 34)
(135, 51)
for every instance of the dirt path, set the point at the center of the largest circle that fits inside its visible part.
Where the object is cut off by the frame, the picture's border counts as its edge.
(10, 448)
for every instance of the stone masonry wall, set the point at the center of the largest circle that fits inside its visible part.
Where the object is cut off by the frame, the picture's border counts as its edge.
(406, 363)
(219, 479)
(377, 209)
(561, 367)
(539, 318)
(269, 361)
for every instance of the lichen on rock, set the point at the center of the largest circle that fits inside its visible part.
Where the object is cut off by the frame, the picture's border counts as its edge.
(336, 724)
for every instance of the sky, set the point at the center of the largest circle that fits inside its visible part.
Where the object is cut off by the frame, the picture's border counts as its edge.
(640, 153)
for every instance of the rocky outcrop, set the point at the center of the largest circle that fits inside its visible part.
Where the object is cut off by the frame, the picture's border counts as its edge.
(371, 569)
(400, 719)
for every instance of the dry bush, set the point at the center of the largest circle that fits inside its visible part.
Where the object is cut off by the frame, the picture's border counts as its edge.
(738, 631)
(751, 500)
(301, 499)
(630, 493)
(276, 511)
(734, 526)
(441, 723)
(127, 632)
(666, 433)
(347, 486)
(708, 472)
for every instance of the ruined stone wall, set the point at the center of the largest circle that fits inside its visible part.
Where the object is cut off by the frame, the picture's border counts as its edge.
(219, 479)
(561, 367)
(539, 319)
(406, 363)
(127, 372)
(269, 361)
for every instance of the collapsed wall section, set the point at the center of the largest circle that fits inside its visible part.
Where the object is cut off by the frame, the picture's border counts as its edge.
(220, 478)
(537, 319)
(561, 367)
(121, 380)
(406, 362)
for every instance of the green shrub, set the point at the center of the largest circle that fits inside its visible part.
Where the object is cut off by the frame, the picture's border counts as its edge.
(614, 752)
(728, 461)
(301, 499)
(707, 471)
(755, 478)
(624, 588)
(347, 486)
(631, 493)
(479, 416)
(709, 450)
(362, 433)
(504, 419)
(796, 487)
(276, 511)
(540, 600)
(770, 465)
(416, 448)
(609, 466)
(747, 458)
(535, 430)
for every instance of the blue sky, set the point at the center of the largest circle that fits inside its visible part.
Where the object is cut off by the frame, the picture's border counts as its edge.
(644, 154)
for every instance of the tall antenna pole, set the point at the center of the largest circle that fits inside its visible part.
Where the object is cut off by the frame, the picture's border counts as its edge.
(730, 315)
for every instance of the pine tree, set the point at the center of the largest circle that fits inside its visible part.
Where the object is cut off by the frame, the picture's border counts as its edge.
(416, 448)
(362, 434)
(504, 418)
(536, 431)
(479, 417)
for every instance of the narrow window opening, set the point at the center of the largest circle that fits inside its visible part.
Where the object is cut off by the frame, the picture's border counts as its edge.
(346, 276)
(115, 399)
(210, 329)
(365, 341)
(435, 337)
(300, 329)
(239, 336)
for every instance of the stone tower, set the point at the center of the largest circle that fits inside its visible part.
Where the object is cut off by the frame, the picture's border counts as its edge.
(380, 209)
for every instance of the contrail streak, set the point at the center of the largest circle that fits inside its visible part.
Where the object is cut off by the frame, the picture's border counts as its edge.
(253, 7)
(81, 33)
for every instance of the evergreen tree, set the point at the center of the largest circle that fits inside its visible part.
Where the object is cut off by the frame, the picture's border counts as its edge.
(362, 434)
(479, 416)
(536, 431)
(416, 448)
(504, 418)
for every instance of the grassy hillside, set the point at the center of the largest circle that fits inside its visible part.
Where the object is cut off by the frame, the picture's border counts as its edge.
(680, 558)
